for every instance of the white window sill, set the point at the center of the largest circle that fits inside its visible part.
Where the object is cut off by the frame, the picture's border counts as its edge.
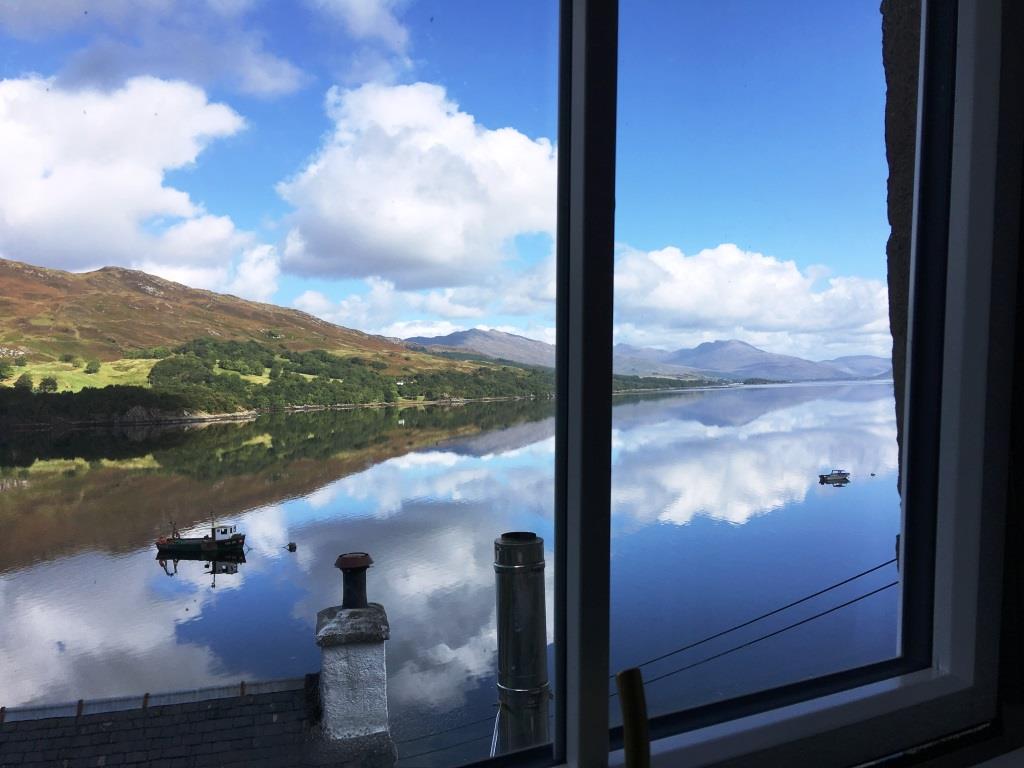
(735, 738)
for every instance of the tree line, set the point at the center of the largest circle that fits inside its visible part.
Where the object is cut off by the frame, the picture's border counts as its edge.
(206, 375)
(272, 439)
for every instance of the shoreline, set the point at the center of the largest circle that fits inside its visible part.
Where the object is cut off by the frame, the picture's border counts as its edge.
(243, 416)
(250, 415)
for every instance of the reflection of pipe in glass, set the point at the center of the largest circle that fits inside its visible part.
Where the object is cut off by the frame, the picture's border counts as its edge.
(523, 691)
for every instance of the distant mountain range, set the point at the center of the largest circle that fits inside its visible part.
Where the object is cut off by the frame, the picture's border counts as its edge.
(106, 313)
(732, 360)
(496, 344)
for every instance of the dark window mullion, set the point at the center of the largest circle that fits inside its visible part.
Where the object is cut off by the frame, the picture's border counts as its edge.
(585, 250)
(927, 301)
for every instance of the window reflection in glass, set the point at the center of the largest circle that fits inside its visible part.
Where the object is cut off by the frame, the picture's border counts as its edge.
(755, 510)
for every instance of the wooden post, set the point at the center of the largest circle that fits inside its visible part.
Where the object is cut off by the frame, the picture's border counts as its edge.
(635, 734)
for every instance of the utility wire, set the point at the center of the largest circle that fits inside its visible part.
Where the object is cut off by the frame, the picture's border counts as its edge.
(690, 646)
(770, 634)
(447, 730)
(756, 619)
(442, 749)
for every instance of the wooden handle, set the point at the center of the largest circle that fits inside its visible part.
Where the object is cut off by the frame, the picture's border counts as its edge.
(636, 738)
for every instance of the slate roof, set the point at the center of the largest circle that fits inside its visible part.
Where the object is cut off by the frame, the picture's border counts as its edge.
(257, 730)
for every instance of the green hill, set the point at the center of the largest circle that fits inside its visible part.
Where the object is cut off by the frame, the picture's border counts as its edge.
(111, 312)
(118, 345)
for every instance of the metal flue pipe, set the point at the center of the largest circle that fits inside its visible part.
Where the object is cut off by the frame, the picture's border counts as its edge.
(523, 690)
(353, 567)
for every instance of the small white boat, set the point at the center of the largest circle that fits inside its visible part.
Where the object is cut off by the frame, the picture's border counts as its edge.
(835, 476)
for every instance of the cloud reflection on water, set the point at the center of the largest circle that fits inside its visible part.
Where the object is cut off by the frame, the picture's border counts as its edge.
(429, 518)
(670, 471)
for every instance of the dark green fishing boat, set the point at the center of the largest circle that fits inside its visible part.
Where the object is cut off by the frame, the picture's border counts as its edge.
(222, 539)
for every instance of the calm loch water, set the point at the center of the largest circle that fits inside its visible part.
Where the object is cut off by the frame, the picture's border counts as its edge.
(718, 518)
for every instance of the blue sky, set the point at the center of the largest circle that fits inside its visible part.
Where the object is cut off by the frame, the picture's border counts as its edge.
(389, 164)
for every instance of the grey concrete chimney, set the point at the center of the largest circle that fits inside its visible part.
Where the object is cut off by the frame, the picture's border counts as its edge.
(353, 674)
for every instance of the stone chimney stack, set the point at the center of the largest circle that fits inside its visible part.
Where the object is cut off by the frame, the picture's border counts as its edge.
(353, 674)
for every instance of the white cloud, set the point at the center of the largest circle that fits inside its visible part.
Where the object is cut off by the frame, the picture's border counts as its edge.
(32, 18)
(369, 65)
(256, 274)
(369, 19)
(410, 189)
(667, 298)
(437, 678)
(66, 638)
(531, 291)
(83, 182)
(237, 59)
(313, 302)
(545, 333)
(404, 329)
(256, 70)
(203, 41)
(378, 309)
(673, 471)
(266, 531)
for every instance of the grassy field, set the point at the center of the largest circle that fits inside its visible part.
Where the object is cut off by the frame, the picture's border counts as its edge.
(263, 379)
(73, 378)
(72, 467)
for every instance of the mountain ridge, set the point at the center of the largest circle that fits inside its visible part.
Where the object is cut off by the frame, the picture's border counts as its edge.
(498, 344)
(108, 311)
(729, 359)
(113, 311)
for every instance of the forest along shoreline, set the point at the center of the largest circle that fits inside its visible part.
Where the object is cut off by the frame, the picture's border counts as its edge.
(211, 380)
(142, 417)
(138, 416)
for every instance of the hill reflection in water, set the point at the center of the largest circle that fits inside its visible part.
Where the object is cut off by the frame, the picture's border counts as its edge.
(718, 516)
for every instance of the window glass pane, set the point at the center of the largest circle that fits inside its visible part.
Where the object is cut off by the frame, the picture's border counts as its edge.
(327, 227)
(755, 484)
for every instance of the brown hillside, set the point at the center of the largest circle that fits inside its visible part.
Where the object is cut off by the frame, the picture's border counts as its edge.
(111, 311)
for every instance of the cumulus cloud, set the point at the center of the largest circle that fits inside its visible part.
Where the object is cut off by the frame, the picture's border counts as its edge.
(204, 41)
(404, 329)
(256, 274)
(239, 60)
(667, 298)
(370, 65)
(314, 302)
(368, 19)
(83, 183)
(531, 291)
(31, 18)
(65, 637)
(381, 55)
(380, 310)
(380, 306)
(674, 471)
(383, 308)
(409, 188)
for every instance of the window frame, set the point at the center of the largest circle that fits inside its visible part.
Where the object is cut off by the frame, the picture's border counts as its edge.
(956, 437)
